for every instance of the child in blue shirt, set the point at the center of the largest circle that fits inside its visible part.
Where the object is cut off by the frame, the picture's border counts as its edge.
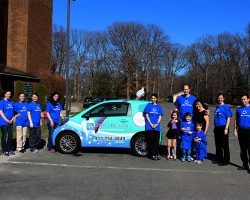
(187, 128)
(200, 146)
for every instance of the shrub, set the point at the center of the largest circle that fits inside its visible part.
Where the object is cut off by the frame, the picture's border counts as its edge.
(18, 87)
(41, 90)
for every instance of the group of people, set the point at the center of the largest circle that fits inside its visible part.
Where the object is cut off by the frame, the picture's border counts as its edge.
(27, 116)
(188, 127)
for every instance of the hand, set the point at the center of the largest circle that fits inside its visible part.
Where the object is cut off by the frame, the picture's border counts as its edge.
(51, 124)
(235, 133)
(183, 129)
(31, 125)
(226, 132)
(190, 133)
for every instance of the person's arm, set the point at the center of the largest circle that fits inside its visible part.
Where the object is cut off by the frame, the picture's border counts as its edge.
(4, 118)
(148, 119)
(50, 119)
(227, 126)
(235, 129)
(158, 122)
(206, 117)
(30, 120)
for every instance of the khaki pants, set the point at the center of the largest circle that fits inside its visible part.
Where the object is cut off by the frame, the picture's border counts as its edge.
(20, 137)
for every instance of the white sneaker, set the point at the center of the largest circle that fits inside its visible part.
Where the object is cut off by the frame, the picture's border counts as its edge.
(199, 162)
(195, 161)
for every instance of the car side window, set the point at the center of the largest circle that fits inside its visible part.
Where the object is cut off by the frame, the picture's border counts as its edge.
(110, 109)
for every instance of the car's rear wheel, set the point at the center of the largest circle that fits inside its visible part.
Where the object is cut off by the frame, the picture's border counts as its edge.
(139, 145)
(68, 143)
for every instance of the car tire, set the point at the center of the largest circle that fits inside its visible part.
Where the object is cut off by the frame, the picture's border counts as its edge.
(68, 143)
(139, 145)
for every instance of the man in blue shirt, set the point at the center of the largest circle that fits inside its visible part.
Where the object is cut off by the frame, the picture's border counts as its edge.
(185, 103)
(242, 131)
(22, 122)
(34, 116)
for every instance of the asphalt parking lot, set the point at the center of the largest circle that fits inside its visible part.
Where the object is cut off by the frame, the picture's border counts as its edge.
(116, 174)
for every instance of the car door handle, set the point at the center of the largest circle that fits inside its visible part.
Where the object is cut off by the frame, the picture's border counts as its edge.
(123, 121)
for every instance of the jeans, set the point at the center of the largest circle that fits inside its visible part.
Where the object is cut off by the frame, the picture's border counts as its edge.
(244, 140)
(6, 142)
(153, 137)
(186, 153)
(221, 144)
(35, 136)
(51, 130)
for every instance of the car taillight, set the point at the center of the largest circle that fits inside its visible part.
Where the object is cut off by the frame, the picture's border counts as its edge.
(64, 121)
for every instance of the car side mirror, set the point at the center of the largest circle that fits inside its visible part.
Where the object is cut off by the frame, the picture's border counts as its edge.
(86, 116)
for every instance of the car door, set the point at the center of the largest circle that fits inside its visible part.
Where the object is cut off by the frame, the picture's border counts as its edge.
(108, 125)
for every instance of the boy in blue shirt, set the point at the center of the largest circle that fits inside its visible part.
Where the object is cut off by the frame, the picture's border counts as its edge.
(187, 128)
(200, 144)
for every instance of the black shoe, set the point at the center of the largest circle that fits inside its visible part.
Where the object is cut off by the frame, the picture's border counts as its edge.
(153, 158)
(244, 168)
(158, 157)
(215, 161)
(12, 153)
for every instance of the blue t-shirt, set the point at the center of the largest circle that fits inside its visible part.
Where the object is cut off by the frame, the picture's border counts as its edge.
(21, 108)
(35, 113)
(187, 138)
(154, 111)
(54, 112)
(221, 113)
(243, 117)
(7, 107)
(185, 104)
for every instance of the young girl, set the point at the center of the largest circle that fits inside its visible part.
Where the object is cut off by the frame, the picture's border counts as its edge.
(172, 133)
(187, 128)
(200, 144)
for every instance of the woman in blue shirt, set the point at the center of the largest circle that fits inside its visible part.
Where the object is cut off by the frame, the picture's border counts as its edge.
(153, 112)
(6, 122)
(22, 122)
(242, 131)
(34, 116)
(222, 115)
(53, 110)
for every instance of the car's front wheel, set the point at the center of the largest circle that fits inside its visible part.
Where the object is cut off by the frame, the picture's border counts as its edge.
(139, 145)
(68, 143)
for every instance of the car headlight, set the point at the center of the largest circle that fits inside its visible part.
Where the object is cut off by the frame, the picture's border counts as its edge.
(64, 121)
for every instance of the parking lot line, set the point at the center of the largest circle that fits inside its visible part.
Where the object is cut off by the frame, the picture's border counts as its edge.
(119, 168)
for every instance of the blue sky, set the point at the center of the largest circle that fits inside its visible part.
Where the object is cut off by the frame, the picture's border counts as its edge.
(183, 20)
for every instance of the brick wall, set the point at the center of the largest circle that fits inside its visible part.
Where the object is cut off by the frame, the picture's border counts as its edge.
(29, 35)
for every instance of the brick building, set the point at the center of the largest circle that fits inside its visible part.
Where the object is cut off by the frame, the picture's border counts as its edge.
(25, 40)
